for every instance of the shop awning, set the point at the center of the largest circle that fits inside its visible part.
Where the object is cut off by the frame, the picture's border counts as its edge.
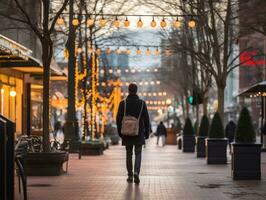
(254, 89)
(13, 54)
(18, 57)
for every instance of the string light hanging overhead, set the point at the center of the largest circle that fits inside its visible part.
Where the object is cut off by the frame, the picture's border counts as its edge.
(163, 23)
(153, 23)
(192, 23)
(75, 22)
(108, 50)
(138, 52)
(90, 22)
(98, 51)
(177, 23)
(126, 23)
(60, 21)
(140, 23)
(148, 51)
(116, 23)
(103, 22)
(128, 51)
(156, 52)
(117, 51)
(79, 50)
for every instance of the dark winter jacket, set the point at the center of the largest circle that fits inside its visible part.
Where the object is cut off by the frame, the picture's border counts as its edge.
(230, 131)
(161, 130)
(133, 107)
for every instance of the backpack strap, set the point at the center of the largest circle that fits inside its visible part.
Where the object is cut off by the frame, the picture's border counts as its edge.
(140, 110)
(125, 107)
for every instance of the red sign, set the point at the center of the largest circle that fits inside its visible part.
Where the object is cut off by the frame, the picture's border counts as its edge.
(249, 59)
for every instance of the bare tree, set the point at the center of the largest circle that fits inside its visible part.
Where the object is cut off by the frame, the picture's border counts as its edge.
(252, 17)
(93, 36)
(218, 36)
(44, 30)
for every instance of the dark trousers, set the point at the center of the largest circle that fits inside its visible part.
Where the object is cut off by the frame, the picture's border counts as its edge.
(137, 165)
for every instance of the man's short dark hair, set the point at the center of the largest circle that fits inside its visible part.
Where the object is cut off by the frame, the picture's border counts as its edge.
(132, 88)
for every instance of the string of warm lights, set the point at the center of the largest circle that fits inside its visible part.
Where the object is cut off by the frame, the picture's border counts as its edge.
(148, 94)
(156, 102)
(133, 70)
(104, 84)
(100, 105)
(93, 96)
(259, 94)
(117, 22)
(156, 108)
(128, 51)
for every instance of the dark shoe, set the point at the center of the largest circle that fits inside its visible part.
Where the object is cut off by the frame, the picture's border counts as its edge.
(130, 179)
(136, 178)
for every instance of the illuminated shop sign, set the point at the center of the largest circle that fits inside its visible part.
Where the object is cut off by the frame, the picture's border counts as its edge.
(251, 58)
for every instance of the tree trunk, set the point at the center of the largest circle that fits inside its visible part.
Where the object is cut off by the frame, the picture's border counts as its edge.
(85, 128)
(221, 101)
(183, 107)
(47, 52)
(71, 71)
(205, 106)
(187, 106)
(46, 88)
(71, 123)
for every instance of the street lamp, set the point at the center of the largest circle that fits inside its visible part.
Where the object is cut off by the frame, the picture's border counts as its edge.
(168, 103)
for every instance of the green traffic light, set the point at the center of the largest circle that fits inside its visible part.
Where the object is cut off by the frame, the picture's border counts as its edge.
(190, 100)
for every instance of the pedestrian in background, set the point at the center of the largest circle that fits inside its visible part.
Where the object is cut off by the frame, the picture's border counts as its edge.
(161, 133)
(230, 132)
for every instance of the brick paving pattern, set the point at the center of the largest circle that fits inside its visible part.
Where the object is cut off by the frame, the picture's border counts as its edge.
(166, 174)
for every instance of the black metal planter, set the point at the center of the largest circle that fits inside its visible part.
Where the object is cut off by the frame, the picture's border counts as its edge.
(115, 139)
(88, 148)
(216, 151)
(45, 164)
(188, 143)
(246, 161)
(200, 148)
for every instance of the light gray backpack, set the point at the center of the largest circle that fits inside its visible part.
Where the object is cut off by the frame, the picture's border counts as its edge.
(130, 124)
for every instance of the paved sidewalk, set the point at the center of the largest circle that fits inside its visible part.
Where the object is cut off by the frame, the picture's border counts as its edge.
(166, 173)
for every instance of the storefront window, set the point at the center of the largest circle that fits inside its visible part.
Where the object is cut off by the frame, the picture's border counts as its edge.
(36, 108)
(11, 90)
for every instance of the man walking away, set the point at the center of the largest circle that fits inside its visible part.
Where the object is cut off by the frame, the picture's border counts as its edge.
(133, 127)
(161, 132)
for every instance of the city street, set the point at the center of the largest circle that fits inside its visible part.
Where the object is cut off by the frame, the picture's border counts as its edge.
(167, 173)
(76, 76)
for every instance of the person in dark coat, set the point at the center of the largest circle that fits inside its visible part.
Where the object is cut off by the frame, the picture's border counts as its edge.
(133, 108)
(161, 133)
(230, 132)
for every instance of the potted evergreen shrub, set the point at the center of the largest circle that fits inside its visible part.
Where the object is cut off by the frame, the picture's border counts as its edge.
(202, 135)
(188, 137)
(246, 154)
(216, 144)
